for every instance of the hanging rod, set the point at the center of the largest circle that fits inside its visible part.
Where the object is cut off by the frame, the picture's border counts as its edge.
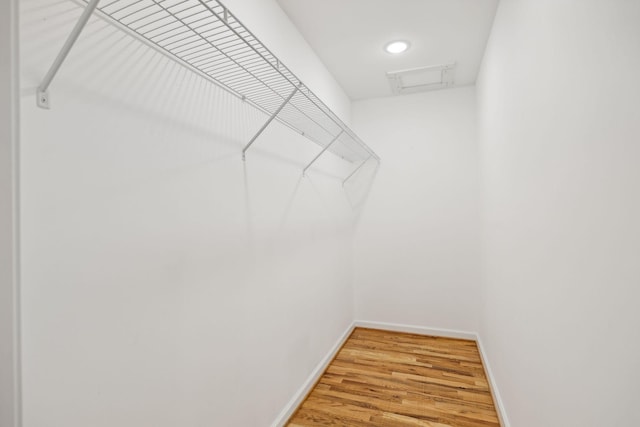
(207, 38)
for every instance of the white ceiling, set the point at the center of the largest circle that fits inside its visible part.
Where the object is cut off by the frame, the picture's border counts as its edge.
(349, 36)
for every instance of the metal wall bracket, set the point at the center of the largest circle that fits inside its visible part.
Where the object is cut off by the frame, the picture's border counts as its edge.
(268, 122)
(320, 153)
(355, 171)
(43, 99)
(42, 93)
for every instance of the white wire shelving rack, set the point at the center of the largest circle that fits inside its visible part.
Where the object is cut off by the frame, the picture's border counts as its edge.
(207, 38)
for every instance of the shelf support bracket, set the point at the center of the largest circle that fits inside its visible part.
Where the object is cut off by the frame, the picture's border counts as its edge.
(273, 116)
(355, 171)
(42, 92)
(322, 152)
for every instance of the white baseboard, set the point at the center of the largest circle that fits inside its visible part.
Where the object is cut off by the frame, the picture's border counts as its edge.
(302, 392)
(420, 330)
(300, 395)
(497, 400)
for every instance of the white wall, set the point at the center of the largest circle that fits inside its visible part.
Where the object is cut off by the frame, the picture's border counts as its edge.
(559, 125)
(9, 377)
(166, 282)
(417, 244)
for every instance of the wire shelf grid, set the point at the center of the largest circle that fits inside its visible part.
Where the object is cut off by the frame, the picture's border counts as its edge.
(205, 36)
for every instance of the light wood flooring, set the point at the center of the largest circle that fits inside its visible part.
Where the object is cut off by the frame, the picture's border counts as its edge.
(382, 378)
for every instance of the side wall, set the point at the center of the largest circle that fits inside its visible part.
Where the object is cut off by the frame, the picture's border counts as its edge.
(9, 340)
(166, 282)
(417, 245)
(559, 126)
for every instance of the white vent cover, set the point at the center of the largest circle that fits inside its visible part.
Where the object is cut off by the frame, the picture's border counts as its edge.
(422, 79)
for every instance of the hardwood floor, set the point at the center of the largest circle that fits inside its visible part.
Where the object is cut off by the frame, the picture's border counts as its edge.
(382, 378)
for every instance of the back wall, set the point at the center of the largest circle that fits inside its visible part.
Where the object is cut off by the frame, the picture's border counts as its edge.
(417, 248)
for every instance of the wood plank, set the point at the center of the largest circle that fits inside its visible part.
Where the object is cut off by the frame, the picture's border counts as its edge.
(382, 378)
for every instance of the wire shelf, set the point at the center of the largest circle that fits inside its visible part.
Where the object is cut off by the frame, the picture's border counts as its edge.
(205, 36)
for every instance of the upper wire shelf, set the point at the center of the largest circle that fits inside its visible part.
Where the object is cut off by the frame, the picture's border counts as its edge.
(206, 37)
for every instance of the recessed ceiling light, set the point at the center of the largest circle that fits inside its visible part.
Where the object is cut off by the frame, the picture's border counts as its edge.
(397, 46)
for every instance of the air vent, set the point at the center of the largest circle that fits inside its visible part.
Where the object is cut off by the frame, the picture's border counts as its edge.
(422, 79)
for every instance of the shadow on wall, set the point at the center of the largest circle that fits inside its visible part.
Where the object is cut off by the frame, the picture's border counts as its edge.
(358, 186)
